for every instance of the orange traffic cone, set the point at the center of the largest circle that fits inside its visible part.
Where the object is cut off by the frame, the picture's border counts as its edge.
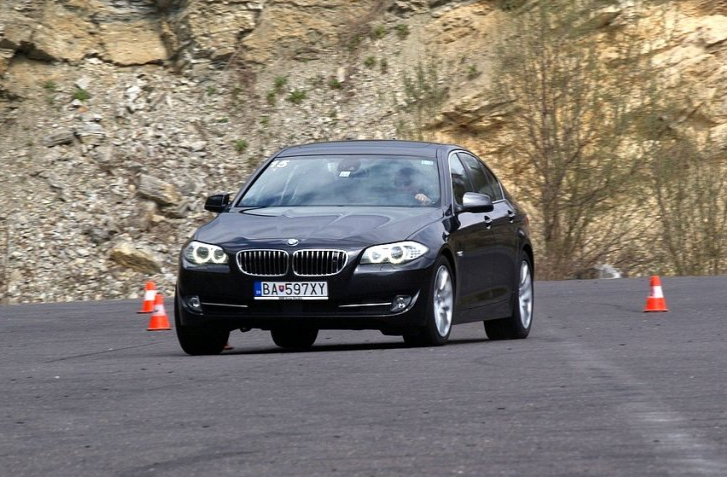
(149, 292)
(159, 320)
(656, 301)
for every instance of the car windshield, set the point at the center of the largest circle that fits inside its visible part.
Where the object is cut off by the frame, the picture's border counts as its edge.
(346, 180)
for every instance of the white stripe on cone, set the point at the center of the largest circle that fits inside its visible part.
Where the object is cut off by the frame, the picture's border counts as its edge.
(159, 310)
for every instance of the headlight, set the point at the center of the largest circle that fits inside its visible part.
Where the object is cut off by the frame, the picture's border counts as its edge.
(198, 253)
(395, 253)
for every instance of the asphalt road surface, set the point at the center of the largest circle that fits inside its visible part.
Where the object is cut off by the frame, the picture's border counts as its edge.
(599, 389)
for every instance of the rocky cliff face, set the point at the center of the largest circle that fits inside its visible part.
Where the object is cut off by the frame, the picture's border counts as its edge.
(117, 117)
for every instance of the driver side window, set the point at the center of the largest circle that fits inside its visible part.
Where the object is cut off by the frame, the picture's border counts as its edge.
(460, 181)
(484, 180)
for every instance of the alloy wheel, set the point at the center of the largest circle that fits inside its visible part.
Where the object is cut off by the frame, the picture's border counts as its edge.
(525, 298)
(443, 301)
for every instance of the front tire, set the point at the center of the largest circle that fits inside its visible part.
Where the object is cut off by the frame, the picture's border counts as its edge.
(198, 340)
(294, 338)
(518, 325)
(440, 309)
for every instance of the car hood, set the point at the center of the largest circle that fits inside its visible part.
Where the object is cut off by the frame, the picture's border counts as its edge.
(315, 226)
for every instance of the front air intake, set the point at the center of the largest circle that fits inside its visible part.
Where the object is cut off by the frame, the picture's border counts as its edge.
(318, 263)
(263, 263)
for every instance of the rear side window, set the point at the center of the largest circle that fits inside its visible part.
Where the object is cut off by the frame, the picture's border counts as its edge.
(483, 180)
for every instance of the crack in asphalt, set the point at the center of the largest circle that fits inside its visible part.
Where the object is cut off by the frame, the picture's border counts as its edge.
(110, 350)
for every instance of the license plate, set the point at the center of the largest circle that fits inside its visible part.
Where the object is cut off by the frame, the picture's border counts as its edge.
(291, 290)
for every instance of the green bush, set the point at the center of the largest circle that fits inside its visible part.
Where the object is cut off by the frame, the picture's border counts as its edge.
(280, 82)
(402, 31)
(81, 94)
(241, 146)
(297, 96)
(379, 32)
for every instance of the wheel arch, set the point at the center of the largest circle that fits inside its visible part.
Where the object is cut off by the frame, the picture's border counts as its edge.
(447, 253)
(528, 249)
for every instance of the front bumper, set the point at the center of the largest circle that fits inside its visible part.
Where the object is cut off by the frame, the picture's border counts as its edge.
(359, 297)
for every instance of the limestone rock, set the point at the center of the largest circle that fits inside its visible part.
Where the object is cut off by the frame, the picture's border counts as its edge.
(59, 138)
(133, 43)
(83, 82)
(62, 34)
(708, 31)
(163, 193)
(92, 133)
(719, 136)
(284, 28)
(210, 29)
(136, 257)
(143, 218)
(404, 7)
(178, 212)
(97, 235)
(74, 30)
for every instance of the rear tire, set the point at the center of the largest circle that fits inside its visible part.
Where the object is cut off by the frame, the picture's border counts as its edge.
(518, 325)
(199, 340)
(294, 338)
(440, 309)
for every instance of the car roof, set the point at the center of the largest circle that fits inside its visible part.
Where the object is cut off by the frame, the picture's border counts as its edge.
(405, 148)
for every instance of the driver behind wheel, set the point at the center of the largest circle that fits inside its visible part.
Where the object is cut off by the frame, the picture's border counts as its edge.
(406, 183)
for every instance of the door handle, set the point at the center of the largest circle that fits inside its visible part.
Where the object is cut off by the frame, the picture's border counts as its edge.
(511, 214)
(488, 222)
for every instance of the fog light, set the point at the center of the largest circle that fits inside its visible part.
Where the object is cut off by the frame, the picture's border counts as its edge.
(400, 303)
(194, 303)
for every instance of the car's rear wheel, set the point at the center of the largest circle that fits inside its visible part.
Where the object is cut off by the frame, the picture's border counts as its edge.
(440, 309)
(518, 325)
(199, 340)
(294, 338)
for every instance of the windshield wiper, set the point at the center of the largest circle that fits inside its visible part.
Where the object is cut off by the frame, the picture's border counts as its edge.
(250, 209)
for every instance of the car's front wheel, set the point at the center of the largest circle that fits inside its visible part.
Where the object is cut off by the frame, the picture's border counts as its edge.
(294, 338)
(518, 325)
(199, 340)
(440, 309)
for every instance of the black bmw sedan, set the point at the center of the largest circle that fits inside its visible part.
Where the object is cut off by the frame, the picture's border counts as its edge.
(408, 238)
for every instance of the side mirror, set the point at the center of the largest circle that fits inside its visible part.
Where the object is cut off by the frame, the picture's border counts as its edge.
(217, 203)
(474, 202)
